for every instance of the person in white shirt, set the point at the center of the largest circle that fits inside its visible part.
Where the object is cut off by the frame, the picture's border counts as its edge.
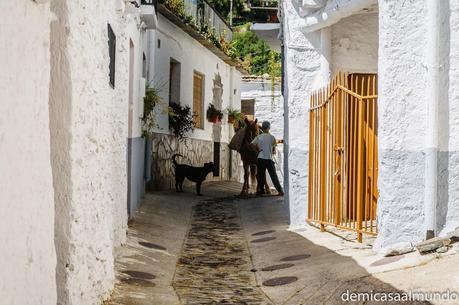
(266, 143)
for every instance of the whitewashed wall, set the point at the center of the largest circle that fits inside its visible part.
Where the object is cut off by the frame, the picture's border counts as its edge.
(449, 115)
(193, 56)
(302, 70)
(401, 117)
(88, 145)
(28, 263)
(354, 48)
(394, 44)
(269, 106)
(355, 44)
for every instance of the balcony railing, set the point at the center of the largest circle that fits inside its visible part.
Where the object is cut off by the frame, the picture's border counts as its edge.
(150, 2)
(204, 15)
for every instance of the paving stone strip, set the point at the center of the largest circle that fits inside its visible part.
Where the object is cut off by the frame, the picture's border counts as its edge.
(214, 265)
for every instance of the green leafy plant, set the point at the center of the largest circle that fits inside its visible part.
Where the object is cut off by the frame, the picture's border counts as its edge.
(213, 114)
(181, 120)
(234, 115)
(255, 55)
(151, 101)
(176, 6)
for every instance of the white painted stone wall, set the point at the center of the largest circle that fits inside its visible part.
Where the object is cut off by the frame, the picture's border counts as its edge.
(394, 44)
(269, 106)
(302, 69)
(354, 47)
(449, 119)
(355, 44)
(89, 138)
(401, 117)
(26, 193)
(193, 56)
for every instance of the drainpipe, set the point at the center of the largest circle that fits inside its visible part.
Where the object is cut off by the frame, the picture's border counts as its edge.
(433, 99)
(325, 47)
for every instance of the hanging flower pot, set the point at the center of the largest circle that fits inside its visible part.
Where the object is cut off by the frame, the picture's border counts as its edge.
(234, 115)
(213, 118)
(213, 114)
(231, 119)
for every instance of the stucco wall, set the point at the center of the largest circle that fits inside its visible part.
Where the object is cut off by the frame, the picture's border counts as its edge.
(302, 69)
(26, 191)
(193, 56)
(89, 142)
(269, 106)
(449, 118)
(401, 117)
(355, 44)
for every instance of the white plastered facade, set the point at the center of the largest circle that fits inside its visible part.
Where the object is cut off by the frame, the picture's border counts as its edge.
(169, 41)
(89, 136)
(28, 255)
(64, 140)
(392, 40)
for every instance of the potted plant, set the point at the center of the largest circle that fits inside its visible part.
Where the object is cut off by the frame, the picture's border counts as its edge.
(151, 100)
(234, 115)
(181, 120)
(213, 114)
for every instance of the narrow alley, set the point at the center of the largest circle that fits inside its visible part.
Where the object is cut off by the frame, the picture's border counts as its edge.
(220, 249)
(346, 110)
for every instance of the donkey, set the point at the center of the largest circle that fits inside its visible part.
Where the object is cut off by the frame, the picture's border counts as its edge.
(249, 156)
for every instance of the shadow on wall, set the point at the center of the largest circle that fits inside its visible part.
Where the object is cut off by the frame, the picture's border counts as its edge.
(60, 136)
(444, 124)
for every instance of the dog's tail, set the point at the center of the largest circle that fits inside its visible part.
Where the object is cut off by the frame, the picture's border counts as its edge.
(175, 156)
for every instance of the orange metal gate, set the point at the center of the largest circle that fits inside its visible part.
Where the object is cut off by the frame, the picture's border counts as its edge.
(343, 154)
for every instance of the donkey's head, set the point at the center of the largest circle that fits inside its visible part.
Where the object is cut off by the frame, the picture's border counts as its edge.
(252, 129)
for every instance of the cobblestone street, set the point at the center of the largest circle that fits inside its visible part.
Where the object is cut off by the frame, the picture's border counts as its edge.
(219, 249)
(215, 266)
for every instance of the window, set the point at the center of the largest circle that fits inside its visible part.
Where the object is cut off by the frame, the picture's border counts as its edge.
(174, 82)
(112, 54)
(248, 108)
(144, 66)
(198, 100)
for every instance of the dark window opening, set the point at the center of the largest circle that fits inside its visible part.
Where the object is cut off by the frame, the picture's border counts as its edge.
(248, 108)
(112, 54)
(174, 82)
(144, 66)
(217, 159)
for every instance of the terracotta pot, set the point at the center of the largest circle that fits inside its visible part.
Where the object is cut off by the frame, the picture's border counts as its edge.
(273, 16)
(213, 118)
(231, 119)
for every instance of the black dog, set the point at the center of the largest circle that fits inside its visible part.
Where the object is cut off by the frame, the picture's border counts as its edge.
(195, 174)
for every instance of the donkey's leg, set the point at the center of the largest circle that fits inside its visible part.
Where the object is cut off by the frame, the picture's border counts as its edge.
(245, 186)
(253, 177)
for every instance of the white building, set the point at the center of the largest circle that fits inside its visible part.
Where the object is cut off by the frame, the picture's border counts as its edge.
(191, 71)
(415, 52)
(71, 95)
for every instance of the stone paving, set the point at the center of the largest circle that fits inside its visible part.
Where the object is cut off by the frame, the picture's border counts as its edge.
(218, 249)
(215, 266)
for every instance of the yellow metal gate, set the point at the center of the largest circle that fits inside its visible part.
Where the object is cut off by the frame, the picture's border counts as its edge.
(343, 154)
